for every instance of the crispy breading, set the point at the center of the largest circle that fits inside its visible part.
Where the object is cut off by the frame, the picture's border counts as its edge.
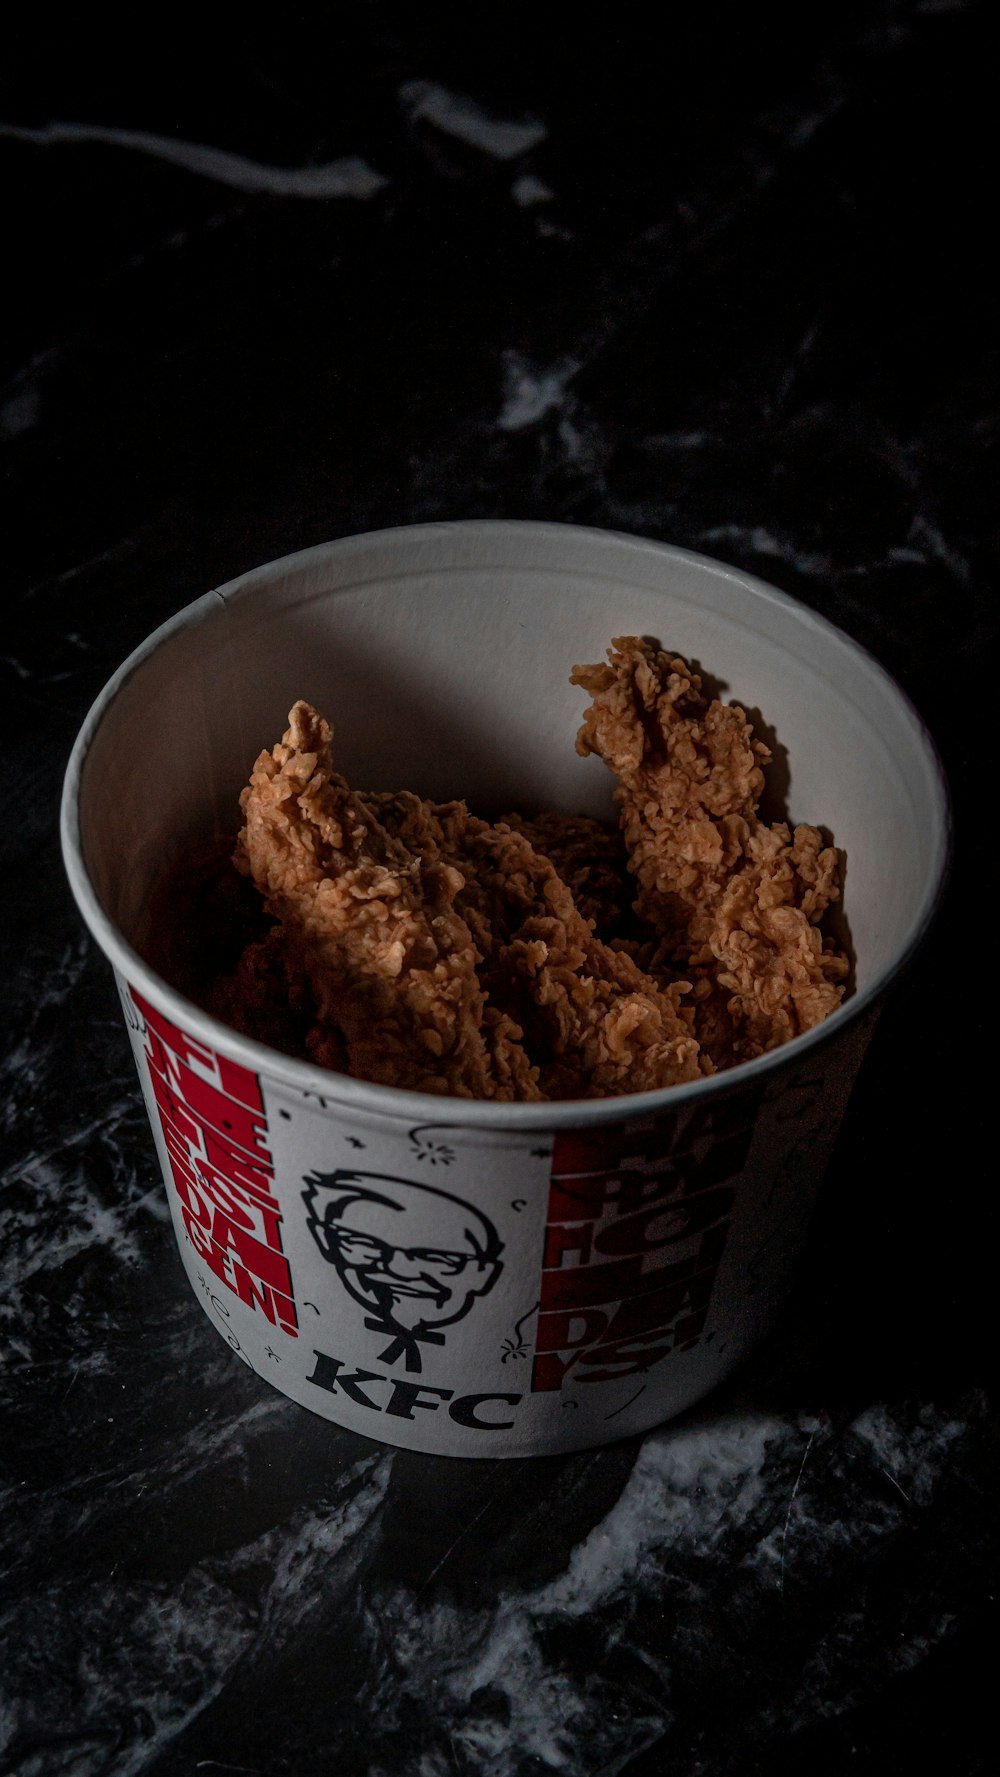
(590, 857)
(550, 957)
(593, 1022)
(372, 929)
(734, 903)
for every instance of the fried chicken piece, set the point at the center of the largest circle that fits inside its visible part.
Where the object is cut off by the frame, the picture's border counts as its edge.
(689, 779)
(594, 1023)
(369, 928)
(593, 863)
(415, 825)
(264, 998)
(785, 977)
(735, 903)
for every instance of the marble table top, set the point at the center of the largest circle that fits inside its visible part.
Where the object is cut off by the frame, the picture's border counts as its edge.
(718, 281)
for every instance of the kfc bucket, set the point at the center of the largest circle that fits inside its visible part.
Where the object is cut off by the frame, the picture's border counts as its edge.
(448, 1274)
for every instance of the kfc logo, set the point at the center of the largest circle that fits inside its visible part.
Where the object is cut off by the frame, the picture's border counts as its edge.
(414, 1257)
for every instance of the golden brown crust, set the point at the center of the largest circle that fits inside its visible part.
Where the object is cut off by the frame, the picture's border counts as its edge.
(416, 945)
(591, 1020)
(372, 929)
(593, 863)
(735, 903)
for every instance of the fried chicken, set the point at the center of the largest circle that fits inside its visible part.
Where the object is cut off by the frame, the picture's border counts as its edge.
(593, 863)
(734, 903)
(596, 1025)
(369, 931)
(549, 957)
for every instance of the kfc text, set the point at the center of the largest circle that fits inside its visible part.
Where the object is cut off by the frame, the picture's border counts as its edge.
(366, 1388)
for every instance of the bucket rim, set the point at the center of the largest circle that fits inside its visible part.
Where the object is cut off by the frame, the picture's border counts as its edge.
(400, 1104)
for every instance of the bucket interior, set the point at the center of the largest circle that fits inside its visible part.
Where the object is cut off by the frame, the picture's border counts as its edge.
(442, 657)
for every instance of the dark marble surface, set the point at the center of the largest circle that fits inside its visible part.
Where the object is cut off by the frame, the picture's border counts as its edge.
(720, 283)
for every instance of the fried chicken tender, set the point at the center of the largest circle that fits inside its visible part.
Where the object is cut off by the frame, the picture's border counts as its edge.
(734, 903)
(593, 863)
(597, 1025)
(368, 929)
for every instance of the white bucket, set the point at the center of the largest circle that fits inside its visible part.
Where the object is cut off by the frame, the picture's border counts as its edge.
(598, 1265)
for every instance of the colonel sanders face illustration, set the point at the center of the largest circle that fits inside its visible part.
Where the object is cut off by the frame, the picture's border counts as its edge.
(416, 1258)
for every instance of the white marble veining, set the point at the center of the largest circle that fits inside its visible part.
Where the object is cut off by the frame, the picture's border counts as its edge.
(459, 115)
(348, 176)
(532, 390)
(528, 190)
(760, 1503)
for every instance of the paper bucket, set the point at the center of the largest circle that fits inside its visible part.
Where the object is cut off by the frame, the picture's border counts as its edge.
(554, 1275)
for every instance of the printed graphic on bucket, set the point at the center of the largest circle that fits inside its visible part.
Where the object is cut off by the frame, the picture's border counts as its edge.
(499, 1283)
(210, 1115)
(638, 1217)
(415, 1257)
